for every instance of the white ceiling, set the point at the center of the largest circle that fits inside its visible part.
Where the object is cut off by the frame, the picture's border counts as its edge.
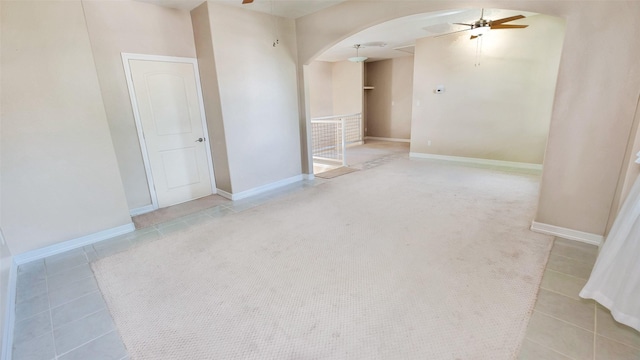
(400, 35)
(291, 9)
(286, 8)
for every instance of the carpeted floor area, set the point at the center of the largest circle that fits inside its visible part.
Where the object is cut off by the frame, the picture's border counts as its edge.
(375, 149)
(412, 259)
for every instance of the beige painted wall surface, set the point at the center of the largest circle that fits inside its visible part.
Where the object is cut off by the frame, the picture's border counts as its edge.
(498, 110)
(321, 88)
(5, 254)
(258, 93)
(596, 93)
(592, 117)
(6, 258)
(211, 95)
(389, 103)
(60, 177)
(629, 172)
(132, 27)
(348, 81)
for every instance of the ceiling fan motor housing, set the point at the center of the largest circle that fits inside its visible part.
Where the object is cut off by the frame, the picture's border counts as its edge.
(481, 23)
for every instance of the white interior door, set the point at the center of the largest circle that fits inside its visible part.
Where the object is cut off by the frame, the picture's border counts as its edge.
(169, 111)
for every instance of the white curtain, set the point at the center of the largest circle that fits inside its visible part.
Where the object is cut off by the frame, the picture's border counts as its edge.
(615, 279)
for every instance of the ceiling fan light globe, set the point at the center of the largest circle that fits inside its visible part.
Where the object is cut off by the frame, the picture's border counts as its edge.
(358, 58)
(479, 31)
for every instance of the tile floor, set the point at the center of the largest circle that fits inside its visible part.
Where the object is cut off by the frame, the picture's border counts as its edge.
(564, 326)
(60, 313)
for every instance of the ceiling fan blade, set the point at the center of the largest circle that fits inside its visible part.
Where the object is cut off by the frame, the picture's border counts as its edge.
(506, 26)
(507, 19)
(453, 32)
(473, 37)
(247, 1)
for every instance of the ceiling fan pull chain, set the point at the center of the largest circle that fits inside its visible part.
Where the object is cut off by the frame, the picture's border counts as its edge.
(477, 50)
(481, 43)
(275, 27)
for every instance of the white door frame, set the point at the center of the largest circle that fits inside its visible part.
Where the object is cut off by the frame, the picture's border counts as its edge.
(134, 104)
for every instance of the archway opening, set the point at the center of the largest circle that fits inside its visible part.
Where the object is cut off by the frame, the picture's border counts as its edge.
(427, 82)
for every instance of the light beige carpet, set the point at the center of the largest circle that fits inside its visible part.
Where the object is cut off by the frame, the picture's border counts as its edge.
(408, 260)
(336, 172)
(375, 149)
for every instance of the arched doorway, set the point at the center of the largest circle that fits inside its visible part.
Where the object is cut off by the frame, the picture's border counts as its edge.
(487, 99)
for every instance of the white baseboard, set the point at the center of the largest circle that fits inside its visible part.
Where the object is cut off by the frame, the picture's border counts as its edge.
(72, 244)
(9, 317)
(387, 139)
(141, 210)
(260, 189)
(477, 161)
(308, 176)
(569, 234)
(225, 194)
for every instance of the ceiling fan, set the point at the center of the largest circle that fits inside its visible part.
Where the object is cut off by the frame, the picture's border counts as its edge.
(481, 26)
(247, 1)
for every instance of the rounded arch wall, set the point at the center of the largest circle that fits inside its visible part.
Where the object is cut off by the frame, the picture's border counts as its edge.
(594, 105)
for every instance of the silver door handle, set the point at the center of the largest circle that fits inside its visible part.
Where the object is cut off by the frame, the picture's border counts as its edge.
(200, 140)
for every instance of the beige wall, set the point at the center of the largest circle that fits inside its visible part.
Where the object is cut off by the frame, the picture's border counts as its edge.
(592, 117)
(335, 88)
(629, 172)
(211, 95)
(321, 88)
(60, 177)
(5, 254)
(347, 83)
(258, 95)
(389, 103)
(497, 110)
(132, 27)
(594, 104)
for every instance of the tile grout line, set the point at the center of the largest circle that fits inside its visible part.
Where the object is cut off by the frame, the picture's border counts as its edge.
(595, 332)
(78, 319)
(85, 343)
(548, 348)
(73, 282)
(619, 342)
(595, 329)
(565, 321)
(573, 258)
(53, 338)
(561, 294)
(79, 297)
(560, 272)
(86, 257)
